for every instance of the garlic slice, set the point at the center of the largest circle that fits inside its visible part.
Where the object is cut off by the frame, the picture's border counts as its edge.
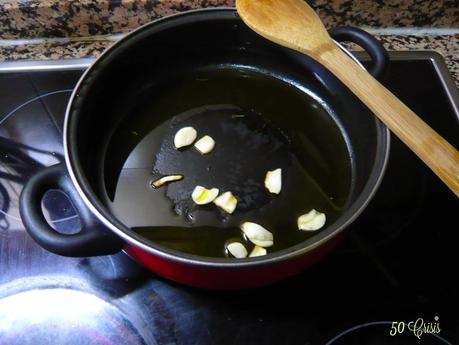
(203, 196)
(257, 251)
(237, 249)
(184, 137)
(166, 179)
(227, 202)
(205, 144)
(311, 221)
(273, 181)
(257, 234)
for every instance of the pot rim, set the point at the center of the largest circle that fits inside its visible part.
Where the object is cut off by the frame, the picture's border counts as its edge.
(300, 249)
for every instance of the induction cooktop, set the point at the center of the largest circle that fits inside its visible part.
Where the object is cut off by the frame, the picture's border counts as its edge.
(392, 281)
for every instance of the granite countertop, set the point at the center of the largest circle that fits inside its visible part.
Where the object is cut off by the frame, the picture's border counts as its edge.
(52, 29)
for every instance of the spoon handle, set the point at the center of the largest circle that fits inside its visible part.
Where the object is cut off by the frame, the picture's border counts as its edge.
(439, 155)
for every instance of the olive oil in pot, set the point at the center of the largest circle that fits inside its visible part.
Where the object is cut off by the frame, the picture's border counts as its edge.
(259, 123)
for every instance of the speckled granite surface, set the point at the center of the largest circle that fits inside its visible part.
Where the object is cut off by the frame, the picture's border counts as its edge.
(56, 18)
(80, 20)
(52, 50)
(446, 45)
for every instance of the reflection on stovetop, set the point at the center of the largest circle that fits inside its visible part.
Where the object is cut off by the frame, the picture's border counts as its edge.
(396, 264)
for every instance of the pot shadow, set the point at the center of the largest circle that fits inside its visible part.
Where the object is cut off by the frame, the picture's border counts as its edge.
(117, 275)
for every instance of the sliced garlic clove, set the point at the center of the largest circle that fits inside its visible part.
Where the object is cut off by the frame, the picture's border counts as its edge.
(227, 202)
(184, 137)
(237, 250)
(205, 144)
(257, 251)
(257, 234)
(166, 179)
(311, 221)
(202, 196)
(273, 181)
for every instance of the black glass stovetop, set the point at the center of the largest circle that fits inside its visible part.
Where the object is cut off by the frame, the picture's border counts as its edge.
(396, 271)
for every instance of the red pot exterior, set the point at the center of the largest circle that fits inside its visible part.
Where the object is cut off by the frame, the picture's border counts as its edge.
(230, 278)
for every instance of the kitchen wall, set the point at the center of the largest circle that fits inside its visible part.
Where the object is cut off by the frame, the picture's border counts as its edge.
(82, 18)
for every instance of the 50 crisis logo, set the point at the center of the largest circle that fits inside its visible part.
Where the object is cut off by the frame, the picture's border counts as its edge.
(417, 327)
(418, 331)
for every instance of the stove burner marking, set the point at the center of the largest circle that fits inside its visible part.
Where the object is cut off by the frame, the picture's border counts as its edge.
(32, 100)
(7, 167)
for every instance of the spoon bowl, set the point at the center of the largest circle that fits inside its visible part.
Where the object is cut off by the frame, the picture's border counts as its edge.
(295, 25)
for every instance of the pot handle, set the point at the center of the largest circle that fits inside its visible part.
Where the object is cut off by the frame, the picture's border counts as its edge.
(92, 240)
(374, 48)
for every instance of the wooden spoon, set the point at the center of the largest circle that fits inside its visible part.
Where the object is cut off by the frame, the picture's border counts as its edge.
(293, 24)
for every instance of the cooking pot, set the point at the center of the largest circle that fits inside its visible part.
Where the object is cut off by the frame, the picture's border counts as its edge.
(136, 69)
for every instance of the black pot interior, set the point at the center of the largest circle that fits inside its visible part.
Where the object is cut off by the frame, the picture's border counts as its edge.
(266, 107)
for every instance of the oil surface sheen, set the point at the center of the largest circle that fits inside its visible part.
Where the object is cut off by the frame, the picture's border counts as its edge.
(259, 123)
